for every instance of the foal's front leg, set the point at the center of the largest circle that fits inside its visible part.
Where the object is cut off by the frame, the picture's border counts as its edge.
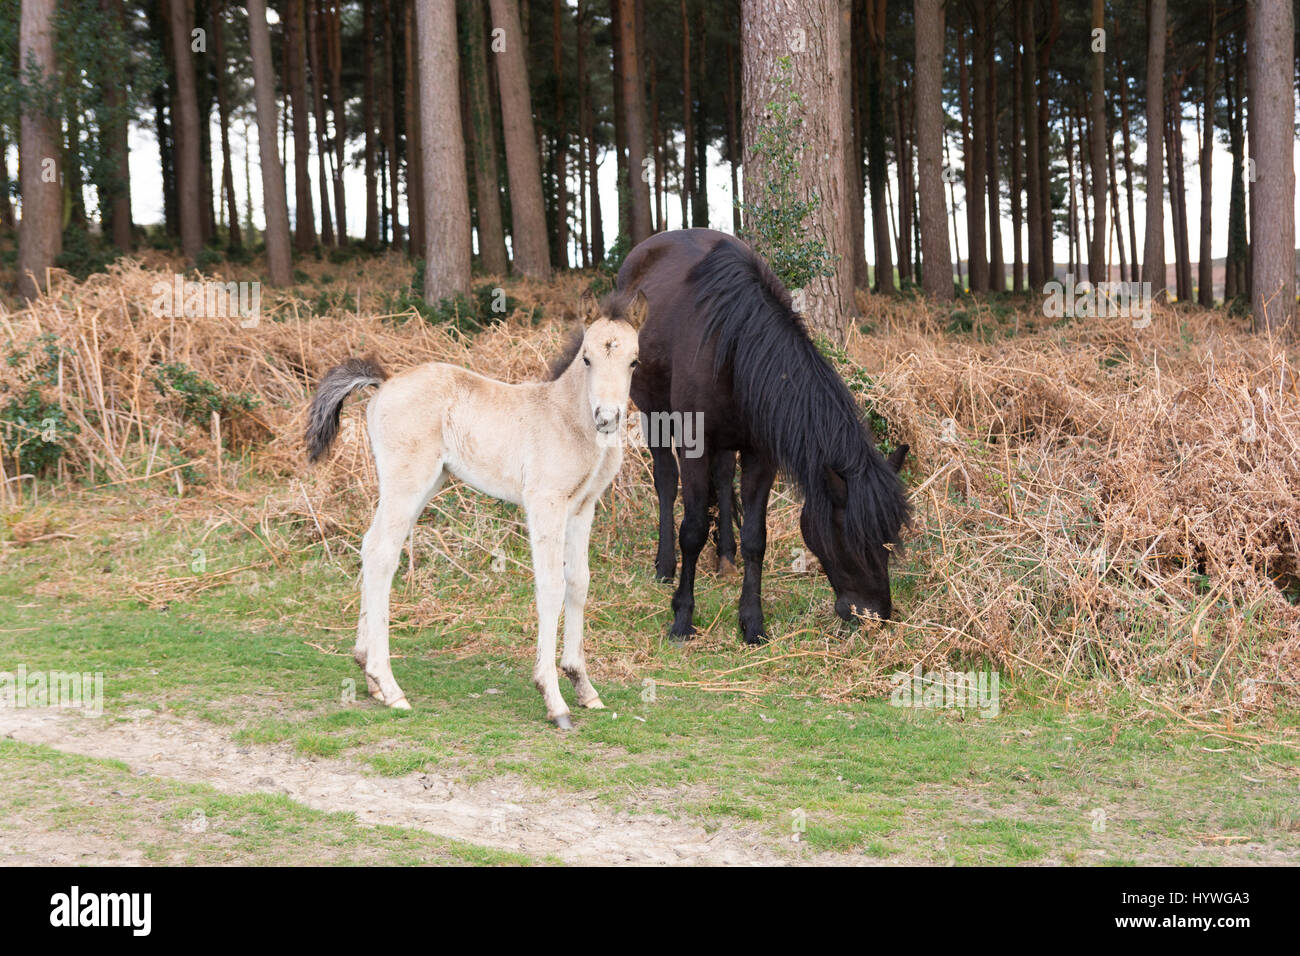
(546, 525)
(577, 575)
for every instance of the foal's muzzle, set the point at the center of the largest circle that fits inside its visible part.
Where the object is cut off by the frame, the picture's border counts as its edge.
(607, 420)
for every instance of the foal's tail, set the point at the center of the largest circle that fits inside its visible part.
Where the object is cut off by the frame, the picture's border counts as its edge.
(338, 383)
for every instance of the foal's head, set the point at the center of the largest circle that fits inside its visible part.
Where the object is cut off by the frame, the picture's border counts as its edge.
(607, 352)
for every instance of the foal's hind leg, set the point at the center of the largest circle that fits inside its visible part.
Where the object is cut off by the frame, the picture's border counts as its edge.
(577, 575)
(400, 503)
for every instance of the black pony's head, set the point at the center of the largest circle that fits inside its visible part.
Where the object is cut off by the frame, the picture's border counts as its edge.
(858, 569)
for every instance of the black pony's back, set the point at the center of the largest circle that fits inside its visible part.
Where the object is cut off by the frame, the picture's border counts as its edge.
(798, 408)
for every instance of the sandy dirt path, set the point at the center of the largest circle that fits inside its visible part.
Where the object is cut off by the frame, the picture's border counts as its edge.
(503, 813)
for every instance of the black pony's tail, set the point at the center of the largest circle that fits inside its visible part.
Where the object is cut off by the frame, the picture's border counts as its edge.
(338, 383)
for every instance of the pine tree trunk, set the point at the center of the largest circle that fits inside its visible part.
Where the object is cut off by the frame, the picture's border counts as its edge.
(274, 202)
(877, 162)
(1235, 280)
(634, 112)
(997, 265)
(1115, 217)
(1205, 257)
(234, 239)
(312, 15)
(40, 235)
(765, 26)
(1135, 271)
(446, 191)
(1153, 249)
(1271, 48)
(334, 44)
(975, 160)
(527, 212)
(1017, 174)
(1097, 139)
(304, 218)
(118, 212)
(188, 172)
(368, 118)
(388, 122)
(936, 261)
(1037, 269)
(483, 144)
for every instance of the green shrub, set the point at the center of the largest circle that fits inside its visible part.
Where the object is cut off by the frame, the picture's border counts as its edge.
(35, 429)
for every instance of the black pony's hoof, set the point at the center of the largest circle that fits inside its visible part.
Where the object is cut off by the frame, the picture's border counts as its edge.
(665, 573)
(756, 638)
(682, 630)
(563, 722)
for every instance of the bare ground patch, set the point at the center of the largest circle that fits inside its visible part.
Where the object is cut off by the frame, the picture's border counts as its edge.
(501, 813)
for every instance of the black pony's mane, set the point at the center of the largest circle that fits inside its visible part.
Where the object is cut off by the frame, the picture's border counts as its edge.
(797, 407)
(613, 307)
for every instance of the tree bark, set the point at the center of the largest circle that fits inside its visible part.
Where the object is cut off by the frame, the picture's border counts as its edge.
(527, 213)
(334, 46)
(274, 203)
(997, 265)
(1271, 48)
(368, 119)
(936, 260)
(233, 236)
(634, 112)
(446, 191)
(483, 145)
(414, 149)
(1097, 138)
(1033, 179)
(766, 27)
(188, 171)
(40, 235)
(304, 218)
(1153, 249)
(118, 211)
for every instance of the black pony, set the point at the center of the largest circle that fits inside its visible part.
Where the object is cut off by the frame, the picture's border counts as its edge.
(722, 342)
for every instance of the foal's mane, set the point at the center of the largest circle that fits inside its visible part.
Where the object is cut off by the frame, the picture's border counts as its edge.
(613, 307)
(797, 406)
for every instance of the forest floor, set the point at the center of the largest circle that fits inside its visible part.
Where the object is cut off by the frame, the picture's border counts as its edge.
(1095, 527)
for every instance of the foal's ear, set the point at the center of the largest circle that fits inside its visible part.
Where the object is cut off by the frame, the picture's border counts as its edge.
(637, 310)
(588, 308)
(898, 456)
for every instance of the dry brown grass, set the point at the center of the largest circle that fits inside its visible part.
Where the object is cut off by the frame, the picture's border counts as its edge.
(1101, 506)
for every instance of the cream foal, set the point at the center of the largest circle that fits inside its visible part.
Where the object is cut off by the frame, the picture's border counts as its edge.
(551, 447)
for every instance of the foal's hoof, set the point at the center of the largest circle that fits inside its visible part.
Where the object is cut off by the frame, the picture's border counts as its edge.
(563, 722)
(400, 704)
(594, 704)
(727, 569)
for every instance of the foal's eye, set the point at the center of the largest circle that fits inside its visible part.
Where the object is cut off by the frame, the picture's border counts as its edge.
(585, 360)
(635, 363)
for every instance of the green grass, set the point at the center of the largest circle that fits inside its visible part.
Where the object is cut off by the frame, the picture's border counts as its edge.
(264, 653)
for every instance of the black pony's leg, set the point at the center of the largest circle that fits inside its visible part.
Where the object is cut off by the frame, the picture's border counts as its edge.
(665, 472)
(756, 477)
(695, 531)
(724, 478)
